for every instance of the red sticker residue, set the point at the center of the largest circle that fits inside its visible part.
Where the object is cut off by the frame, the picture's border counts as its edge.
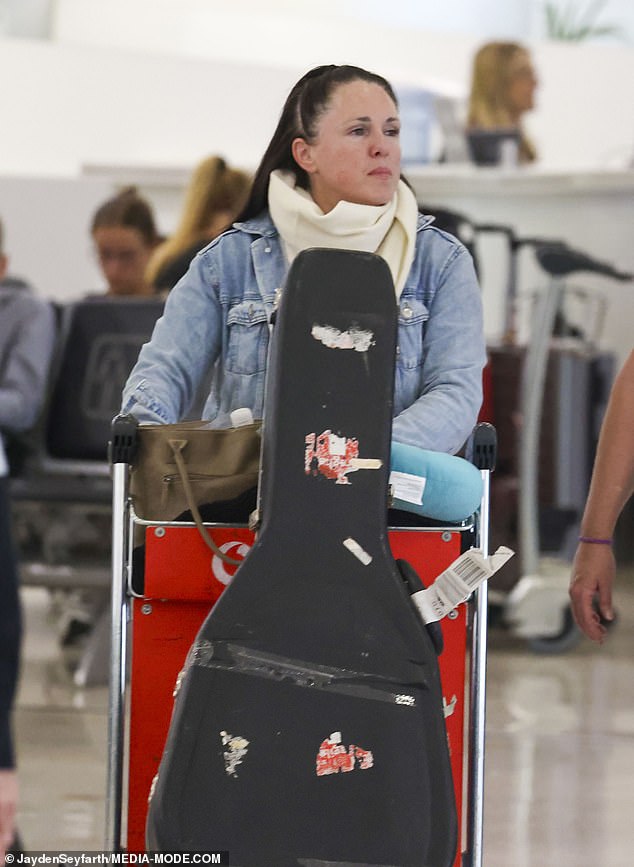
(333, 757)
(331, 456)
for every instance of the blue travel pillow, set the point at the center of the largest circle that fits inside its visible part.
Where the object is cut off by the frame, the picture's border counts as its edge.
(436, 485)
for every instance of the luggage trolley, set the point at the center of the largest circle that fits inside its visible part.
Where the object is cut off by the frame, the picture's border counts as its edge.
(161, 615)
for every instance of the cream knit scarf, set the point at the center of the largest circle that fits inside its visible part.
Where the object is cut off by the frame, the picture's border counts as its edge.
(389, 230)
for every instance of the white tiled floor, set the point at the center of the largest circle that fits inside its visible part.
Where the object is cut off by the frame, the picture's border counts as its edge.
(560, 748)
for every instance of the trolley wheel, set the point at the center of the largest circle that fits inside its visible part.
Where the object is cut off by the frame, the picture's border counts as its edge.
(566, 639)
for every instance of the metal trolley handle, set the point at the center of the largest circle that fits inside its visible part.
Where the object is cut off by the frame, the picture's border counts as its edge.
(482, 452)
(123, 443)
(121, 452)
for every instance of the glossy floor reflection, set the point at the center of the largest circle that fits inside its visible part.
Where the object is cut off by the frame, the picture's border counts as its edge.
(560, 748)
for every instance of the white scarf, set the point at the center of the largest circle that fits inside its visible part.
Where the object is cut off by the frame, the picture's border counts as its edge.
(388, 230)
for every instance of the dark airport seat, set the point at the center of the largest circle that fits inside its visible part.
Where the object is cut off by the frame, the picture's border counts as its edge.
(62, 496)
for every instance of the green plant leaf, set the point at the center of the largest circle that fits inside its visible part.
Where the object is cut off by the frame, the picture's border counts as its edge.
(572, 25)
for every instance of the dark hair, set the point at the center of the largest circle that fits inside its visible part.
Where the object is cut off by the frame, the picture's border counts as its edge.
(130, 210)
(305, 104)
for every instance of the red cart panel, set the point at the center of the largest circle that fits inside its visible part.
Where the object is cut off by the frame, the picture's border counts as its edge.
(183, 579)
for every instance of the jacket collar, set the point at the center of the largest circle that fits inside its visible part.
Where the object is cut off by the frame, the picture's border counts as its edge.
(261, 225)
(269, 264)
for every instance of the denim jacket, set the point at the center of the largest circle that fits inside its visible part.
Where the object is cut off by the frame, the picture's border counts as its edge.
(215, 328)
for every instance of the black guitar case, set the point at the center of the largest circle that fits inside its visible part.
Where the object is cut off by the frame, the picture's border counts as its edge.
(308, 728)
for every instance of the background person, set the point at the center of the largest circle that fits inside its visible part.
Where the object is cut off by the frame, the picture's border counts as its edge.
(27, 336)
(611, 486)
(125, 236)
(214, 197)
(503, 84)
(330, 177)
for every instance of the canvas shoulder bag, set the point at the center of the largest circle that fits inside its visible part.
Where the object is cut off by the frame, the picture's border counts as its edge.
(185, 465)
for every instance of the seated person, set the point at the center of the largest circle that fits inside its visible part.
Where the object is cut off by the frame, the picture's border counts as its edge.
(125, 236)
(124, 233)
(215, 195)
(503, 87)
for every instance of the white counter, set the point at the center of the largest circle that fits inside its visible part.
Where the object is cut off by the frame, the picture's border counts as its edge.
(467, 180)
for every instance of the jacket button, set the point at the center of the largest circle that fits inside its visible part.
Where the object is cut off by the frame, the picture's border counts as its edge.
(407, 312)
(267, 249)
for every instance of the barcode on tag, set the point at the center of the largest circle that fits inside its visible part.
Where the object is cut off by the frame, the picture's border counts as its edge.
(470, 572)
(457, 582)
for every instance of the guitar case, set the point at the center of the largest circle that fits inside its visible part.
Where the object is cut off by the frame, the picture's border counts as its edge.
(308, 725)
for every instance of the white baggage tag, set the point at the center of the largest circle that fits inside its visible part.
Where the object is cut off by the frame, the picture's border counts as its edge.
(407, 487)
(458, 582)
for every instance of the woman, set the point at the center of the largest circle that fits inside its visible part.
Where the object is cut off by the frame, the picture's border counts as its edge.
(503, 87)
(330, 177)
(125, 236)
(215, 196)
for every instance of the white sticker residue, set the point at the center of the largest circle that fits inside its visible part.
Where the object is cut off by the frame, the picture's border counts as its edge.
(407, 487)
(353, 338)
(449, 707)
(336, 445)
(353, 546)
(458, 582)
(236, 750)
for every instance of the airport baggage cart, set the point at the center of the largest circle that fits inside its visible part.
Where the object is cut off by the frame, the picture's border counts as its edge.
(166, 614)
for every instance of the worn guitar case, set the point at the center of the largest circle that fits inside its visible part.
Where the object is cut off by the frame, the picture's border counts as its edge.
(308, 725)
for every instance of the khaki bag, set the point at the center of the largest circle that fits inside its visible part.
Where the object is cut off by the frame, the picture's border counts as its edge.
(183, 466)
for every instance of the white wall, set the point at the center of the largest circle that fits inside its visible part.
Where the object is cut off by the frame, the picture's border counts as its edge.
(486, 19)
(46, 222)
(63, 106)
(71, 105)
(177, 25)
(67, 106)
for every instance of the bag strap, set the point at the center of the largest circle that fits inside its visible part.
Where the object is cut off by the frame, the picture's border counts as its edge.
(177, 446)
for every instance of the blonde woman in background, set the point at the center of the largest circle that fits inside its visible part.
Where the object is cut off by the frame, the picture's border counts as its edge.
(503, 87)
(214, 197)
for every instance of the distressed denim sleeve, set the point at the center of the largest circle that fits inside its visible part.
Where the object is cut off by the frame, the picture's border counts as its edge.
(185, 342)
(454, 355)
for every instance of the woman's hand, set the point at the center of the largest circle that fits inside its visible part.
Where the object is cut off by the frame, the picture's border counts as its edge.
(593, 571)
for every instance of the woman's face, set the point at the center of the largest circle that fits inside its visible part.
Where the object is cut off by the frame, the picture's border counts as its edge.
(356, 154)
(522, 84)
(123, 255)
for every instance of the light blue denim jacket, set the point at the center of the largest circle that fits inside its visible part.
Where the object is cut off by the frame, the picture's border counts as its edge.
(215, 329)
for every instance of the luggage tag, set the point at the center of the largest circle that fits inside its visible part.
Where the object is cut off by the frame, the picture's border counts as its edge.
(458, 582)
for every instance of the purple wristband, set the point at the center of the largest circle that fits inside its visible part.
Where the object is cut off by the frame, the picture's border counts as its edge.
(592, 541)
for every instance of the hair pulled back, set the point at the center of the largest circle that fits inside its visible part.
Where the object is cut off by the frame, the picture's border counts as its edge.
(130, 211)
(307, 101)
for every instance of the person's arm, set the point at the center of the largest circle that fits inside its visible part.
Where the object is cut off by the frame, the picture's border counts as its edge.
(25, 373)
(186, 339)
(8, 807)
(611, 486)
(454, 354)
